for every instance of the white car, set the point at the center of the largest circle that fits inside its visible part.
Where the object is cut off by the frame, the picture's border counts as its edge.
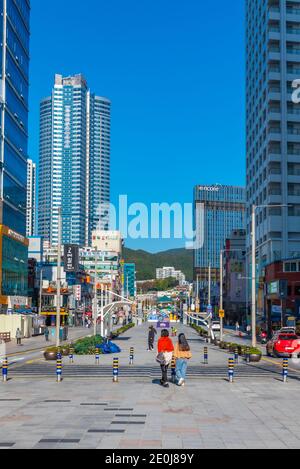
(216, 326)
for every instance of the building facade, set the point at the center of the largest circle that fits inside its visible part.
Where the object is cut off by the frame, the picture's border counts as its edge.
(74, 170)
(273, 127)
(218, 210)
(15, 30)
(235, 278)
(31, 199)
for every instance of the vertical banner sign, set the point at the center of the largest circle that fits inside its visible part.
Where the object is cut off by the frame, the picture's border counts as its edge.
(71, 258)
(77, 292)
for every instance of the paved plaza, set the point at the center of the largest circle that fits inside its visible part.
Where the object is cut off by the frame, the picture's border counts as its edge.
(88, 410)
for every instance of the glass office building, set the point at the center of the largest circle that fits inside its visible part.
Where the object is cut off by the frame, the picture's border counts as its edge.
(14, 87)
(273, 126)
(14, 112)
(129, 280)
(74, 170)
(219, 210)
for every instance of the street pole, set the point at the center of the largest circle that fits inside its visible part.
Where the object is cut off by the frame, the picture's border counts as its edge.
(221, 295)
(58, 280)
(95, 296)
(41, 290)
(209, 284)
(101, 316)
(253, 309)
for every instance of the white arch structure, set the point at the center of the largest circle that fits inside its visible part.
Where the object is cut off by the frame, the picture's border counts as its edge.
(207, 319)
(107, 309)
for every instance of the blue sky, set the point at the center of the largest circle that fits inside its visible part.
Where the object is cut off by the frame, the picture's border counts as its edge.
(175, 74)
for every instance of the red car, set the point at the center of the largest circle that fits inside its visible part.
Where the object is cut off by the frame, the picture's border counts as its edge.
(283, 345)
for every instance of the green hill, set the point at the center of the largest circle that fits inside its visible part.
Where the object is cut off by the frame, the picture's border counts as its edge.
(147, 263)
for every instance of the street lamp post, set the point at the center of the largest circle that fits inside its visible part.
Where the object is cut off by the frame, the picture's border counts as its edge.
(221, 296)
(58, 277)
(253, 274)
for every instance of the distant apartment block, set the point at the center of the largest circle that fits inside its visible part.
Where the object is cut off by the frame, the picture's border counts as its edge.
(170, 272)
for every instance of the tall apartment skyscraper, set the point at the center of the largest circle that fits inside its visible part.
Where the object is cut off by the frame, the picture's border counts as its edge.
(14, 19)
(31, 198)
(273, 127)
(74, 170)
(218, 211)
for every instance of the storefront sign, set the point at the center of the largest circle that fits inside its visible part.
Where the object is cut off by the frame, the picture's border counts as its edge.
(71, 258)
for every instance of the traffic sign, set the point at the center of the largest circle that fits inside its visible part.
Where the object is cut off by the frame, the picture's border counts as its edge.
(221, 314)
(209, 309)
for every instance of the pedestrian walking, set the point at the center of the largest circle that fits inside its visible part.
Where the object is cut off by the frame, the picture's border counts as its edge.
(18, 336)
(165, 350)
(182, 353)
(151, 337)
(47, 334)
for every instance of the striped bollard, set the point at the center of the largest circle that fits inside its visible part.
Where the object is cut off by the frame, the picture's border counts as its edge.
(71, 355)
(205, 356)
(173, 369)
(59, 367)
(236, 356)
(231, 369)
(131, 357)
(97, 356)
(285, 369)
(4, 370)
(116, 370)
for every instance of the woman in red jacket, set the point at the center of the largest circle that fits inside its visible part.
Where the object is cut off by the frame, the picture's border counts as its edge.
(165, 349)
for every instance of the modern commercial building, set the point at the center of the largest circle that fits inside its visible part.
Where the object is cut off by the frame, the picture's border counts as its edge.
(273, 135)
(15, 31)
(218, 210)
(235, 279)
(273, 127)
(170, 272)
(31, 199)
(74, 169)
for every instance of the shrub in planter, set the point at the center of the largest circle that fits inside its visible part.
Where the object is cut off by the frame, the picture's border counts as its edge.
(51, 352)
(255, 354)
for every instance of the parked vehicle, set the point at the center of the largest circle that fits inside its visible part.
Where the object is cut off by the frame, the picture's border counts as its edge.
(216, 326)
(283, 345)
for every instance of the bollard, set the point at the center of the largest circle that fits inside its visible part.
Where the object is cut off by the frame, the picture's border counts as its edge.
(131, 357)
(173, 369)
(236, 356)
(71, 355)
(116, 370)
(97, 356)
(59, 367)
(248, 354)
(5, 370)
(285, 369)
(231, 369)
(205, 356)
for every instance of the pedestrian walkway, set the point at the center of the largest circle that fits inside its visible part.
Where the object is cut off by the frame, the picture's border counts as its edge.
(256, 411)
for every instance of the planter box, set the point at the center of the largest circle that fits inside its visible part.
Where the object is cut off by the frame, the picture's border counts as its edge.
(254, 358)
